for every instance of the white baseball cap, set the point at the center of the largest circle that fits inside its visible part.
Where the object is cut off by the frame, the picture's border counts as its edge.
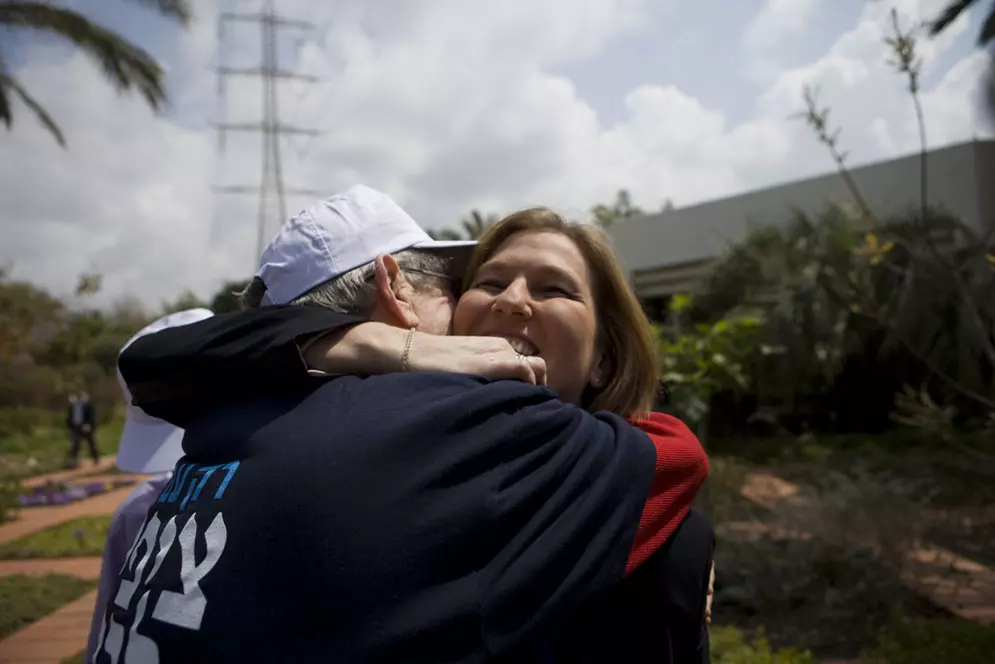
(339, 234)
(148, 444)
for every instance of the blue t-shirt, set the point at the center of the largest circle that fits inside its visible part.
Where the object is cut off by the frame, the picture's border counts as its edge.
(416, 517)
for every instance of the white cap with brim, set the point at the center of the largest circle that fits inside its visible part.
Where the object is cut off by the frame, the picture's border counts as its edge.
(148, 444)
(341, 233)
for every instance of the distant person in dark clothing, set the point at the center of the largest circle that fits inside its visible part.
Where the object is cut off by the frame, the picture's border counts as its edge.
(81, 418)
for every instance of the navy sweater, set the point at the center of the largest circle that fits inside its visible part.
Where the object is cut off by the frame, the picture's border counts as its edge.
(403, 518)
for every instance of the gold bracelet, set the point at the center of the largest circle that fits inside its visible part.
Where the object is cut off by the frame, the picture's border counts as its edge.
(407, 350)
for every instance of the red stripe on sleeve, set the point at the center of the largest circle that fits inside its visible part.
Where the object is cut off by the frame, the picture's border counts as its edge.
(681, 469)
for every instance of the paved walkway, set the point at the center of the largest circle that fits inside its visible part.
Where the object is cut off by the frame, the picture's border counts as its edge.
(85, 468)
(54, 637)
(62, 634)
(83, 568)
(33, 519)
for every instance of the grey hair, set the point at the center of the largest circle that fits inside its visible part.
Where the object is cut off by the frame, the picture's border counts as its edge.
(355, 291)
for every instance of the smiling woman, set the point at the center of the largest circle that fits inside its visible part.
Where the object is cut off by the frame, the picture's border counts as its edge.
(555, 289)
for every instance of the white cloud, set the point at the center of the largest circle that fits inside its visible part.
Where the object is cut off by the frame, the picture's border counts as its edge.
(444, 105)
(778, 20)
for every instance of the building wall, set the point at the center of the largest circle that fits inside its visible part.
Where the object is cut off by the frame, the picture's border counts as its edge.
(667, 251)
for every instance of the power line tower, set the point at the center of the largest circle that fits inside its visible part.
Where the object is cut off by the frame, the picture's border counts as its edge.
(271, 185)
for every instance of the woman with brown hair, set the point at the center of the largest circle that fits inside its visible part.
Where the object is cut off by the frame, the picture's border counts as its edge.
(557, 287)
(554, 291)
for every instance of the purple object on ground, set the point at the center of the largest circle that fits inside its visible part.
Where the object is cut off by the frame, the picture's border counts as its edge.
(60, 494)
(77, 493)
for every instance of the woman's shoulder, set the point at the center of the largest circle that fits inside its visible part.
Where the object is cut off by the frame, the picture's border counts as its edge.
(662, 424)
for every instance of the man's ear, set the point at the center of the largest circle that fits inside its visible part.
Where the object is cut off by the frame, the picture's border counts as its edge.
(394, 292)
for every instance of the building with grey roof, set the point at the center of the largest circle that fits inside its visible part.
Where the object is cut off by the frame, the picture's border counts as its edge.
(665, 253)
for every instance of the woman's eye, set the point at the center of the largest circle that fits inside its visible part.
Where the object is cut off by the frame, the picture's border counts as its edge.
(489, 285)
(558, 291)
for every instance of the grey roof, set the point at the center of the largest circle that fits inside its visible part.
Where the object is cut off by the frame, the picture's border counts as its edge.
(961, 179)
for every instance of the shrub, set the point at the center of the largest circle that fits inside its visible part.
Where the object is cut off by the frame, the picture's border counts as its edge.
(729, 646)
(23, 421)
(917, 641)
(9, 491)
(723, 502)
(825, 574)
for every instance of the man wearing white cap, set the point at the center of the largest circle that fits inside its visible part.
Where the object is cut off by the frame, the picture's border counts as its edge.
(415, 516)
(148, 446)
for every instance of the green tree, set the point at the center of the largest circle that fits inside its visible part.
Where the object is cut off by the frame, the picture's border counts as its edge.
(125, 64)
(76, 338)
(794, 273)
(837, 295)
(226, 300)
(446, 235)
(621, 209)
(89, 284)
(185, 300)
(28, 316)
(473, 226)
(928, 279)
(124, 318)
(699, 361)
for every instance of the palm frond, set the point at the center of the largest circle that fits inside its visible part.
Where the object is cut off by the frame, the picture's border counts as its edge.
(175, 9)
(9, 83)
(949, 15)
(445, 234)
(987, 28)
(125, 64)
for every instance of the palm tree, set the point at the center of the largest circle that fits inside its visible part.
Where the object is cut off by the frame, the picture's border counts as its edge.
(446, 234)
(985, 37)
(954, 10)
(125, 64)
(473, 227)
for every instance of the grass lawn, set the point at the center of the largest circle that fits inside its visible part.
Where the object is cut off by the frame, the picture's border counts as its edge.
(44, 449)
(81, 537)
(26, 599)
(75, 659)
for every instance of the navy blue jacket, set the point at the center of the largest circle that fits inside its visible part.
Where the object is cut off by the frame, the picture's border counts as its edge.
(402, 518)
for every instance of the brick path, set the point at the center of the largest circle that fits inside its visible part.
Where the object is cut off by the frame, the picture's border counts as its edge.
(85, 468)
(34, 519)
(62, 634)
(54, 637)
(84, 568)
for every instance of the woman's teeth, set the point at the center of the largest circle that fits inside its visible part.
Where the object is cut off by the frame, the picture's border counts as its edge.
(523, 347)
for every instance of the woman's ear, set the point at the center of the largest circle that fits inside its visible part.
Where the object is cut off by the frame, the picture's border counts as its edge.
(600, 371)
(394, 292)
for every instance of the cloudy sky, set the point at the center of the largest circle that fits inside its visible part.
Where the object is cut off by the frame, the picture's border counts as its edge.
(450, 105)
